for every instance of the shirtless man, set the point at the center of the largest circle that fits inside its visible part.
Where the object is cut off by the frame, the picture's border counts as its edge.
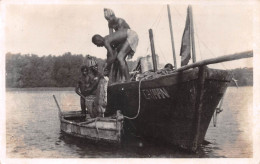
(87, 84)
(129, 41)
(115, 24)
(81, 86)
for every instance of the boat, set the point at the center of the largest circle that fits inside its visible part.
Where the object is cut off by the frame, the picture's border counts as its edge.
(101, 129)
(175, 108)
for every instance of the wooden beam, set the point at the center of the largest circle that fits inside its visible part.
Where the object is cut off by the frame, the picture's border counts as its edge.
(198, 106)
(192, 35)
(236, 56)
(153, 50)
(173, 49)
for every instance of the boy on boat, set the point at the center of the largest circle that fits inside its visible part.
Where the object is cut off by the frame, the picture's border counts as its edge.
(129, 41)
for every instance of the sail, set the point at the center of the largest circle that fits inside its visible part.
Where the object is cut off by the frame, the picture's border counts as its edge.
(186, 42)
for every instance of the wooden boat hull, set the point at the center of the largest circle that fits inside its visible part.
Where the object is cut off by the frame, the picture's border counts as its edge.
(175, 108)
(98, 129)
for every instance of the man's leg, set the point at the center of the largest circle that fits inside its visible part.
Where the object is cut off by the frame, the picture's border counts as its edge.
(121, 58)
(83, 105)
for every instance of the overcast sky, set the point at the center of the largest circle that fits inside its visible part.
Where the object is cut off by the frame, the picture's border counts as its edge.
(44, 29)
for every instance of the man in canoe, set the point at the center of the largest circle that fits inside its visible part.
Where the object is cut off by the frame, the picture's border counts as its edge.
(81, 85)
(129, 41)
(87, 83)
(92, 88)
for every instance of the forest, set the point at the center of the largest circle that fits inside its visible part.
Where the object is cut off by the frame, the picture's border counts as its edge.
(30, 70)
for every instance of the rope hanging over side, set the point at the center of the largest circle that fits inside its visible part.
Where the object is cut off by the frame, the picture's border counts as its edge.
(139, 100)
(218, 110)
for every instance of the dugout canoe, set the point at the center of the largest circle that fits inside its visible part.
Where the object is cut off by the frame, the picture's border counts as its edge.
(103, 129)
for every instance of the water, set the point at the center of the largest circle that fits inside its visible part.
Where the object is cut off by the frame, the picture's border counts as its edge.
(32, 130)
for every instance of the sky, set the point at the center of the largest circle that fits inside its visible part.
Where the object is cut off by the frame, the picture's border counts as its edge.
(43, 29)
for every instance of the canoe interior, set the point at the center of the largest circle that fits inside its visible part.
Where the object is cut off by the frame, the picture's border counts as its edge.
(108, 129)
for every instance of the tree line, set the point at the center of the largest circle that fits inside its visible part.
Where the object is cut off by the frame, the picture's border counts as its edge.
(30, 70)
(244, 76)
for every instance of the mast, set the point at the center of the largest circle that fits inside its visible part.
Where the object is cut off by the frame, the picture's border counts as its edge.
(170, 24)
(153, 50)
(192, 35)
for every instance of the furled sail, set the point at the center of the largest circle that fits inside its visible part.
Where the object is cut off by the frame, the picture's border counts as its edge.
(186, 42)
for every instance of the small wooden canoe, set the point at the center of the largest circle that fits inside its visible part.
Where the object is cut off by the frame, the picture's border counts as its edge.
(102, 128)
(107, 129)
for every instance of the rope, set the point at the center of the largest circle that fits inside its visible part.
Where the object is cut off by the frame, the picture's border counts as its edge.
(162, 53)
(97, 129)
(139, 99)
(198, 40)
(217, 111)
(158, 17)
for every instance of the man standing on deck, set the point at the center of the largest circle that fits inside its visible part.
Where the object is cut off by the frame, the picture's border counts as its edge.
(129, 40)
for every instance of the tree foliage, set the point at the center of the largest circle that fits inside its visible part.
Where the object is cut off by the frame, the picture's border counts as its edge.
(244, 76)
(30, 70)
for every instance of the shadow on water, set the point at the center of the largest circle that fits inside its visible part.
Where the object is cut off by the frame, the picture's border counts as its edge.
(130, 147)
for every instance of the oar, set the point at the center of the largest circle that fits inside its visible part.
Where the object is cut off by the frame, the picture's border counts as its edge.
(60, 113)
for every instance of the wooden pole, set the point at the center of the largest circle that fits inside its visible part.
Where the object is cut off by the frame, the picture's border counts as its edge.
(192, 35)
(198, 106)
(170, 24)
(153, 50)
(60, 113)
(246, 54)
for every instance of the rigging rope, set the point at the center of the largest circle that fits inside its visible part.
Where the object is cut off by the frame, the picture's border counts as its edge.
(158, 17)
(198, 42)
(162, 53)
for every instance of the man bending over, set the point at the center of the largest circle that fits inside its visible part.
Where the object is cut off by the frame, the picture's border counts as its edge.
(129, 40)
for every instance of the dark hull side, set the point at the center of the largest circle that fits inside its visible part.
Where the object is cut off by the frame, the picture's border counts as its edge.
(169, 105)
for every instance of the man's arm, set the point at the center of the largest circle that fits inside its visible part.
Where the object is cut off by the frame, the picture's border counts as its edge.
(111, 56)
(77, 89)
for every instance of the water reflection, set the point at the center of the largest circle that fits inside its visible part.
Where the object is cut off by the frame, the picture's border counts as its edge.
(131, 147)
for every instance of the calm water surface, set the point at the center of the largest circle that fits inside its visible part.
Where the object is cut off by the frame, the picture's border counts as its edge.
(32, 130)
